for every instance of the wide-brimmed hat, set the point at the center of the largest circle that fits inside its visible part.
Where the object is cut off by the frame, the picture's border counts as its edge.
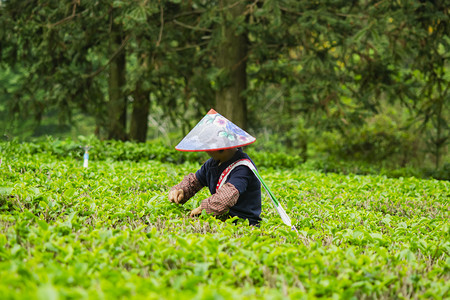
(214, 132)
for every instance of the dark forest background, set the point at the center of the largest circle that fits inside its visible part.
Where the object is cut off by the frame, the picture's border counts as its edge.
(359, 81)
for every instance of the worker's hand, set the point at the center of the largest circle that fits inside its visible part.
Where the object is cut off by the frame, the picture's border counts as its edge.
(196, 212)
(176, 196)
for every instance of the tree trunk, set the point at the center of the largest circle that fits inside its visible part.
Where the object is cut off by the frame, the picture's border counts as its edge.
(439, 141)
(232, 58)
(117, 105)
(139, 116)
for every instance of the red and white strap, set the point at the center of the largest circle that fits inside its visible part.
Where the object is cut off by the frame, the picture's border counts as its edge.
(223, 177)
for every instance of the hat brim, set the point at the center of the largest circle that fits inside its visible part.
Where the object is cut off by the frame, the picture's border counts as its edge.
(215, 149)
(214, 132)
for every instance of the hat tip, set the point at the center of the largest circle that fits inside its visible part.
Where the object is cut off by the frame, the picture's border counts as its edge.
(212, 111)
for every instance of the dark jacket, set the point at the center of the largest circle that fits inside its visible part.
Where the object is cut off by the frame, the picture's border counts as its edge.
(248, 205)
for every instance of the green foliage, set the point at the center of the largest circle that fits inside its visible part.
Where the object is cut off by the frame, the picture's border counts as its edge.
(312, 68)
(108, 231)
(332, 66)
(112, 150)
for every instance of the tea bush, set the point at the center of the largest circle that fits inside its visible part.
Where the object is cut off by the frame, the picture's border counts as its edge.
(127, 151)
(108, 232)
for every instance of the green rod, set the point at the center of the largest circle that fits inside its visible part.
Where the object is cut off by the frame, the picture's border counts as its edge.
(266, 187)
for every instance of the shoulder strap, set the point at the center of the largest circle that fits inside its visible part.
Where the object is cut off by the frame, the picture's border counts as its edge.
(246, 162)
(223, 177)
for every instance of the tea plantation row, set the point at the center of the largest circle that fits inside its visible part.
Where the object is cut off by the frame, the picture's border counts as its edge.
(108, 232)
(128, 151)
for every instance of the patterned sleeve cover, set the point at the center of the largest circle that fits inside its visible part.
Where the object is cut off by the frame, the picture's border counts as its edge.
(190, 186)
(224, 198)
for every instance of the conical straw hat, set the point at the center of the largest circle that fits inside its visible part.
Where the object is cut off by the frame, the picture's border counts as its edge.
(214, 132)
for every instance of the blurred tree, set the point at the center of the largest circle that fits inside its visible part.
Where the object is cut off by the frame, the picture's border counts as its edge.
(424, 42)
(45, 63)
(329, 65)
(231, 60)
(303, 68)
(117, 101)
(68, 47)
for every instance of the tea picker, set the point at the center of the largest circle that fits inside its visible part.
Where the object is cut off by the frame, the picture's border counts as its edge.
(232, 189)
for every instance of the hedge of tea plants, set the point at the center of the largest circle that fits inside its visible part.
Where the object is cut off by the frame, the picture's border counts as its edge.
(142, 152)
(108, 232)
